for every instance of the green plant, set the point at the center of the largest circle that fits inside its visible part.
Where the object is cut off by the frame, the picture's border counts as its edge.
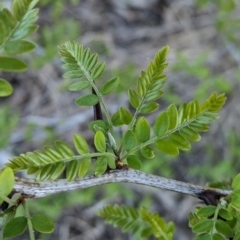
(173, 130)
(15, 27)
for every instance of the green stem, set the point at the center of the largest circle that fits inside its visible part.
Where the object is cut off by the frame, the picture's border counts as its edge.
(6, 199)
(107, 115)
(30, 226)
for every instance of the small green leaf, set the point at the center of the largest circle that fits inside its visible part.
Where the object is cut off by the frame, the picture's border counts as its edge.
(179, 141)
(190, 134)
(125, 116)
(134, 98)
(15, 227)
(236, 182)
(44, 173)
(223, 228)
(52, 153)
(72, 170)
(20, 8)
(84, 166)
(5, 88)
(100, 141)
(203, 226)
(161, 124)
(142, 130)
(129, 140)
(109, 86)
(217, 236)
(116, 119)
(203, 236)
(154, 95)
(111, 162)
(172, 116)
(167, 147)
(7, 181)
(57, 170)
(98, 70)
(147, 152)
(235, 199)
(78, 86)
(80, 144)
(134, 162)
(101, 165)
(149, 107)
(98, 124)
(199, 127)
(64, 149)
(87, 100)
(42, 223)
(74, 74)
(225, 214)
(19, 46)
(206, 211)
(11, 64)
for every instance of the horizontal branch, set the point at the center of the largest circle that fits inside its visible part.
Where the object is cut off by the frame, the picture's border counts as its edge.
(33, 189)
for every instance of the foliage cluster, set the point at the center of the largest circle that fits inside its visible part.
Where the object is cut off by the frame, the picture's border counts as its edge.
(173, 129)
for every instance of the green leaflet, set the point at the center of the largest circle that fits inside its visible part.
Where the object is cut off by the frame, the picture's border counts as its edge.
(125, 116)
(223, 228)
(98, 125)
(111, 162)
(98, 71)
(80, 144)
(5, 88)
(109, 86)
(84, 167)
(167, 147)
(179, 141)
(87, 100)
(44, 173)
(64, 149)
(15, 227)
(172, 116)
(42, 223)
(134, 162)
(161, 124)
(149, 107)
(100, 141)
(154, 95)
(101, 165)
(74, 74)
(142, 130)
(147, 152)
(20, 8)
(72, 170)
(134, 98)
(190, 134)
(203, 226)
(235, 199)
(7, 181)
(19, 46)
(129, 140)
(116, 120)
(236, 182)
(11, 64)
(206, 211)
(225, 214)
(57, 170)
(52, 153)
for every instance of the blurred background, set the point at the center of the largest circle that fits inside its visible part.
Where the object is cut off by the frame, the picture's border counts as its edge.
(204, 57)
